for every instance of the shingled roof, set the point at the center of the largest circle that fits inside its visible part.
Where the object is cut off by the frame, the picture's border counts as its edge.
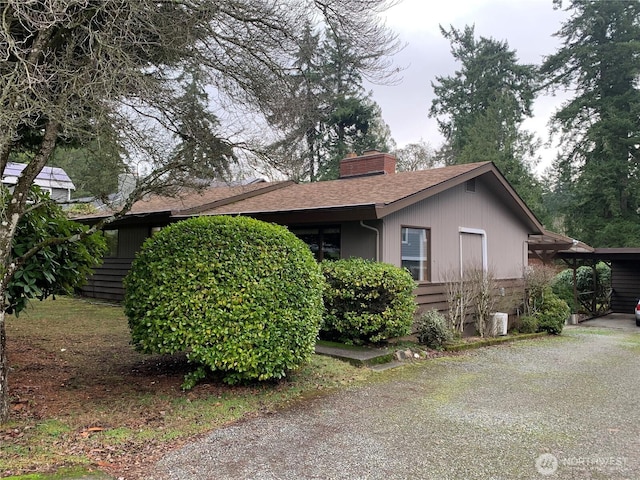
(372, 197)
(380, 191)
(366, 197)
(192, 202)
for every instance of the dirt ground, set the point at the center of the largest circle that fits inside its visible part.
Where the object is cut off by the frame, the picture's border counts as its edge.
(70, 382)
(45, 386)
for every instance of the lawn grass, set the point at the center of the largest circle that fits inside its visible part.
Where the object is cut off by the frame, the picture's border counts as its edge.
(82, 397)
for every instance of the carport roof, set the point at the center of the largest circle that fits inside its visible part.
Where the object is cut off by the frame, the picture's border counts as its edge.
(548, 245)
(603, 254)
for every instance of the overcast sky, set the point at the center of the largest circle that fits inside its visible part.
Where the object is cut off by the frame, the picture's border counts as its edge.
(527, 25)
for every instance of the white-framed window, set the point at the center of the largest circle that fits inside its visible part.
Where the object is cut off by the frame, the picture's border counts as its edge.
(415, 252)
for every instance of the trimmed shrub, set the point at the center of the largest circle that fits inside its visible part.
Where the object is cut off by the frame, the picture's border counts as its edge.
(366, 301)
(433, 330)
(239, 296)
(528, 324)
(552, 313)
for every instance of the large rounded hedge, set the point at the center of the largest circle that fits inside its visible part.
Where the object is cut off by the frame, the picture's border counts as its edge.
(367, 301)
(239, 296)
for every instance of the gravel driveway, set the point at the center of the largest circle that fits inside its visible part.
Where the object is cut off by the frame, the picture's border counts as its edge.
(560, 407)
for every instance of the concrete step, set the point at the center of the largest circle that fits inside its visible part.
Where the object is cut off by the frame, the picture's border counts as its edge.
(360, 356)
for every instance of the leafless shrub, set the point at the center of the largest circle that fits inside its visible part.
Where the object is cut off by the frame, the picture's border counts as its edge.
(536, 279)
(459, 293)
(484, 295)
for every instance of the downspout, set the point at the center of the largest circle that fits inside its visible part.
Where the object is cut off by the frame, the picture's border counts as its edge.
(369, 227)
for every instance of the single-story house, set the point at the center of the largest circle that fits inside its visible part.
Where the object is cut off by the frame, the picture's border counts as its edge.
(436, 222)
(53, 180)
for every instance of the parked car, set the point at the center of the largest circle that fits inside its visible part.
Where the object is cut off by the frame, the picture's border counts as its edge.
(638, 313)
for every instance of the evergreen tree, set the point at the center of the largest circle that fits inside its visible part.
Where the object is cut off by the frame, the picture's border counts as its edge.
(327, 113)
(599, 60)
(94, 168)
(480, 110)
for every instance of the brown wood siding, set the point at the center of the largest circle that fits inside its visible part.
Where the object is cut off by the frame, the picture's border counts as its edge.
(434, 296)
(625, 285)
(130, 239)
(106, 281)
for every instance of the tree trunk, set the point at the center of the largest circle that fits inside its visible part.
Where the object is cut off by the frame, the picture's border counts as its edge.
(4, 372)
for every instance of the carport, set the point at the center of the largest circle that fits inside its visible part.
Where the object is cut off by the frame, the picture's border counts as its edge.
(625, 274)
(624, 264)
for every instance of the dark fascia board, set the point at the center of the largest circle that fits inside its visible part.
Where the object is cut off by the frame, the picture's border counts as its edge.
(235, 198)
(316, 215)
(153, 218)
(550, 246)
(486, 168)
(605, 254)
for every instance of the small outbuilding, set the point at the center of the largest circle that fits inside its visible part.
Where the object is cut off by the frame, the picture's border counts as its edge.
(625, 274)
(53, 180)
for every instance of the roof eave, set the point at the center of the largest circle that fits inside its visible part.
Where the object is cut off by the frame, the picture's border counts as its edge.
(332, 214)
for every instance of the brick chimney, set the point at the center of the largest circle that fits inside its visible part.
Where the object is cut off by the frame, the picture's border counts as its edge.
(371, 162)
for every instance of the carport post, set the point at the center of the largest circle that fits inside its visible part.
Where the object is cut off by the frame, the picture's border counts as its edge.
(574, 308)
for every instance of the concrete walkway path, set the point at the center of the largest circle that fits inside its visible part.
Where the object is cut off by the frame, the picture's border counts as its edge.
(625, 322)
(563, 407)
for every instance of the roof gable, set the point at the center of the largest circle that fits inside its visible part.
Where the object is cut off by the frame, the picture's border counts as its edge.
(49, 177)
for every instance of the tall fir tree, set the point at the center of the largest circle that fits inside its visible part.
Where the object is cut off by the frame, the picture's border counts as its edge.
(328, 113)
(599, 127)
(481, 108)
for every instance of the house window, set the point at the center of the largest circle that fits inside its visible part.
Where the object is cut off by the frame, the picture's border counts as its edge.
(414, 252)
(111, 236)
(324, 242)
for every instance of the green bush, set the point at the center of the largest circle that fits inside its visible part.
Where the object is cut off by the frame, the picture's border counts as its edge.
(366, 301)
(528, 324)
(55, 268)
(552, 313)
(563, 284)
(433, 330)
(239, 296)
